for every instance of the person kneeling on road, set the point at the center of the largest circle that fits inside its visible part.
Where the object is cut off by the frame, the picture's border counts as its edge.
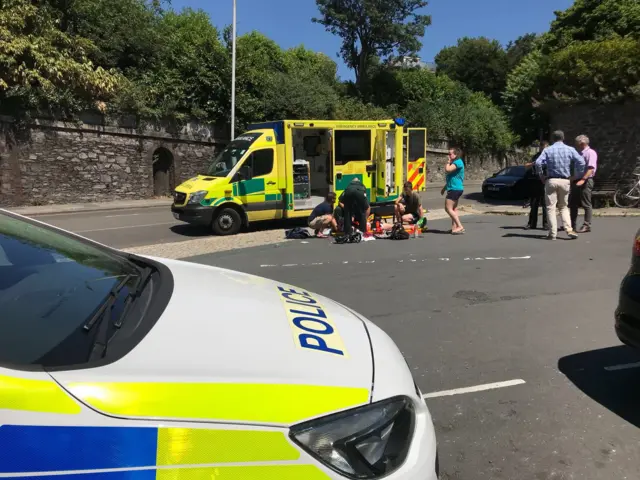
(408, 207)
(322, 216)
(355, 206)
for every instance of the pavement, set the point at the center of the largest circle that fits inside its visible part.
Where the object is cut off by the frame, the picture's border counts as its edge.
(509, 336)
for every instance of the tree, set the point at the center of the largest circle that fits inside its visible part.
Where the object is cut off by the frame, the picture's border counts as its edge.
(190, 78)
(450, 110)
(306, 88)
(595, 20)
(522, 97)
(480, 63)
(594, 71)
(42, 67)
(373, 28)
(125, 32)
(520, 48)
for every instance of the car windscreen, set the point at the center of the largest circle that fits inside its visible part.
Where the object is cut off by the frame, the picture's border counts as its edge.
(51, 284)
(224, 162)
(518, 171)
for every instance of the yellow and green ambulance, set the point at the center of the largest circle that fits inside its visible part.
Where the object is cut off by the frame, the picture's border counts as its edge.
(283, 169)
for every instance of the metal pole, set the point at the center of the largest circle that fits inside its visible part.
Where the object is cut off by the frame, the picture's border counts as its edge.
(233, 75)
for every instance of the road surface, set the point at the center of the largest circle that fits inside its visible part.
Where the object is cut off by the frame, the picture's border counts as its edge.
(510, 336)
(154, 225)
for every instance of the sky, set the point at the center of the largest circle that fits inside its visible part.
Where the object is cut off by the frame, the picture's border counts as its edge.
(288, 22)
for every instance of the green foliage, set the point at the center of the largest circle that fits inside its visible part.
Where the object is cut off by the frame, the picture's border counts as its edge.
(373, 28)
(522, 97)
(448, 109)
(42, 67)
(190, 74)
(125, 32)
(519, 48)
(591, 53)
(305, 88)
(595, 20)
(350, 108)
(480, 63)
(594, 71)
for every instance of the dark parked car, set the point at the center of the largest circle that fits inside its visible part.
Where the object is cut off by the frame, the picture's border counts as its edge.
(511, 183)
(628, 312)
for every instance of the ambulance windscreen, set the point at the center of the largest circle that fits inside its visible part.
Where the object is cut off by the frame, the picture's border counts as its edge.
(226, 160)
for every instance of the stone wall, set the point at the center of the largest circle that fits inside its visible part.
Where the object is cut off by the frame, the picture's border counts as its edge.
(614, 132)
(55, 162)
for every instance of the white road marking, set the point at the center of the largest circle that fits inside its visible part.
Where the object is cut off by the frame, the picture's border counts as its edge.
(124, 228)
(123, 215)
(497, 258)
(477, 388)
(624, 366)
(411, 260)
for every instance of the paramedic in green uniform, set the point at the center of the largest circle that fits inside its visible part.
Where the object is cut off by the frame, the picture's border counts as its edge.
(355, 205)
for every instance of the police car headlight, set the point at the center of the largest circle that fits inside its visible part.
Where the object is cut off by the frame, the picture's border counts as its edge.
(364, 443)
(197, 197)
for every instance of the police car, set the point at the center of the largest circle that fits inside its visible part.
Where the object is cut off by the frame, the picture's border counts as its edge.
(115, 366)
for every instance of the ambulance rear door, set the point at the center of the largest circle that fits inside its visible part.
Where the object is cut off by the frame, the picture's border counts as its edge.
(380, 163)
(353, 158)
(417, 158)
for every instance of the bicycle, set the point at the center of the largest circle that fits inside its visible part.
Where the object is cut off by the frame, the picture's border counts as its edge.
(629, 199)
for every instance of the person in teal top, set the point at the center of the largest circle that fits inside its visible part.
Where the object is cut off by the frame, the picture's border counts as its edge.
(454, 189)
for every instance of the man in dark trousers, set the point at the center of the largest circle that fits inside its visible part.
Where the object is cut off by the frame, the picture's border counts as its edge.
(356, 206)
(536, 196)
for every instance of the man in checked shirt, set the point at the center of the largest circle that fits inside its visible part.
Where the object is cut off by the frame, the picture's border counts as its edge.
(562, 163)
(581, 189)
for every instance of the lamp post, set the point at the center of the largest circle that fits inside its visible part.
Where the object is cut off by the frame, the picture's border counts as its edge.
(233, 74)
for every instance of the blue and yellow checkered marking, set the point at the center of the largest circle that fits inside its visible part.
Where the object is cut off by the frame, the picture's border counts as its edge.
(36, 449)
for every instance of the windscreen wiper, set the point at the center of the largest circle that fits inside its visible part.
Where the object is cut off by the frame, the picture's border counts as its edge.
(101, 314)
(107, 305)
(102, 341)
(134, 293)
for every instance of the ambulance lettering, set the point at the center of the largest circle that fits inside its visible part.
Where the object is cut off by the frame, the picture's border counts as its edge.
(311, 326)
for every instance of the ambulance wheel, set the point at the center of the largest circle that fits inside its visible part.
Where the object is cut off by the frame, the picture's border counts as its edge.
(226, 222)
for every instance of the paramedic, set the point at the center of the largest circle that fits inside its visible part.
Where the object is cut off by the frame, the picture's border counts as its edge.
(408, 206)
(321, 217)
(355, 206)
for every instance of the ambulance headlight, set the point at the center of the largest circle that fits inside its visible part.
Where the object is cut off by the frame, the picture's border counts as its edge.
(197, 197)
(365, 443)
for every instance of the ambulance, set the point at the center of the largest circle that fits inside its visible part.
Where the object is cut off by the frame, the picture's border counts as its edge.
(284, 169)
(115, 366)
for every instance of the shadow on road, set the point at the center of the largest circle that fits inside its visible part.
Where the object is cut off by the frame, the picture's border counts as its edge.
(530, 236)
(618, 390)
(480, 198)
(192, 231)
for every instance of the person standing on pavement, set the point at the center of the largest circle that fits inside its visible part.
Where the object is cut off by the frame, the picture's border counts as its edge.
(560, 161)
(455, 188)
(355, 206)
(582, 189)
(536, 196)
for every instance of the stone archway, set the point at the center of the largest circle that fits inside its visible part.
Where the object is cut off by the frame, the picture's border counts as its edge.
(164, 178)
